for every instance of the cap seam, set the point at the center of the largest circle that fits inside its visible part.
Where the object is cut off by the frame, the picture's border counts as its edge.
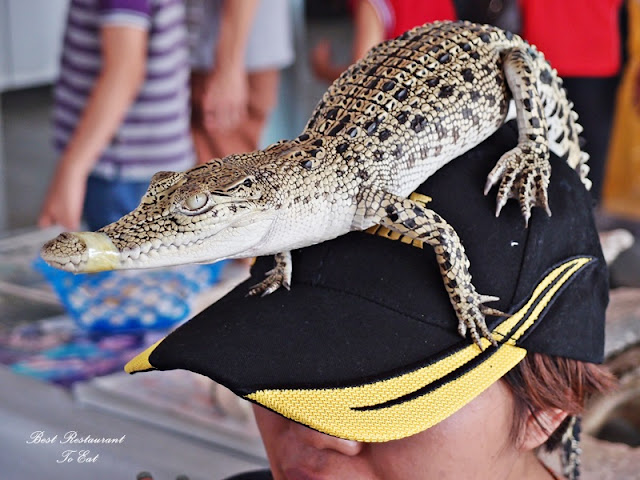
(514, 293)
(362, 297)
(363, 380)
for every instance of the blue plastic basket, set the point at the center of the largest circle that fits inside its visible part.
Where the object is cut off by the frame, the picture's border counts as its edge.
(132, 300)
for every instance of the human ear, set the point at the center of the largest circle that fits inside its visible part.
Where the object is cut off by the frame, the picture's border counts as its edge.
(539, 427)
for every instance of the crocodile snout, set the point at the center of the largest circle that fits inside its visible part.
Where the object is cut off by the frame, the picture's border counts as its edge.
(81, 252)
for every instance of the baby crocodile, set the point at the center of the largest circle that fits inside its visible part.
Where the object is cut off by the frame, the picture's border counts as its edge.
(391, 120)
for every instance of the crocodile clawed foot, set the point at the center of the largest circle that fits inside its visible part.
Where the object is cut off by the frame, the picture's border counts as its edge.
(269, 285)
(523, 173)
(533, 194)
(471, 318)
(278, 276)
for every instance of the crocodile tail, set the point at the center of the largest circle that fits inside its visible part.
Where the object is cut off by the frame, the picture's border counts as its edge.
(563, 129)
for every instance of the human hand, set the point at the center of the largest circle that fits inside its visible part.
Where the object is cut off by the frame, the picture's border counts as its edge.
(225, 99)
(64, 200)
(321, 63)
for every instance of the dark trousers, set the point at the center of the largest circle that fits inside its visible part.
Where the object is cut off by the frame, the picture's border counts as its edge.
(594, 101)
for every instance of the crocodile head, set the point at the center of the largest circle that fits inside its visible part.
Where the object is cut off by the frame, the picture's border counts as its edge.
(214, 211)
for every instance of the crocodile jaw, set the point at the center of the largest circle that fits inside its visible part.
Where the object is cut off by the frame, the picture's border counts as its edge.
(87, 252)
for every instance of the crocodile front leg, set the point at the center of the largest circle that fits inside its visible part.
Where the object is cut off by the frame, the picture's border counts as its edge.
(524, 171)
(411, 219)
(278, 276)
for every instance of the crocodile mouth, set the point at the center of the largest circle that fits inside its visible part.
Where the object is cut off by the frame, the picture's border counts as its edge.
(159, 252)
(88, 252)
(156, 249)
(97, 252)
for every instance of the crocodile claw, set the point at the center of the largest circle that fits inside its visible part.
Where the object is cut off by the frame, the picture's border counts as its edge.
(278, 276)
(275, 279)
(522, 173)
(268, 286)
(471, 318)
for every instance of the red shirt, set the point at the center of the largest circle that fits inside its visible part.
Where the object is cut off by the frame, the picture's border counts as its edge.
(579, 38)
(399, 16)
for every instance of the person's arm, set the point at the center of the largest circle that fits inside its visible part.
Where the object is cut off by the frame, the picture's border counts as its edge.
(123, 71)
(226, 93)
(368, 32)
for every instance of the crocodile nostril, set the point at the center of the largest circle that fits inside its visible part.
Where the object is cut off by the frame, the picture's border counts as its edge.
(70, 240)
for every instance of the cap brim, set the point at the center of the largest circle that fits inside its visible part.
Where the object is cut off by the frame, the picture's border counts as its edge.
(280, 366)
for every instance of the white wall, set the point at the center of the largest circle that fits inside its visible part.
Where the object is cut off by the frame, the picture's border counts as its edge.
(30, 40)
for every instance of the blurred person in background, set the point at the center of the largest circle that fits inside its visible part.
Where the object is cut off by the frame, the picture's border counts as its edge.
(121, 108)
(239, 48)
(378, 20)
(582, 41)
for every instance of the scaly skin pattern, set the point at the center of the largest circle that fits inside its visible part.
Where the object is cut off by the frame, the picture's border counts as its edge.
(390, 121)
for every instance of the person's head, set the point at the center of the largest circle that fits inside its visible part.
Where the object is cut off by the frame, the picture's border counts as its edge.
(494, 436)
(359, 372)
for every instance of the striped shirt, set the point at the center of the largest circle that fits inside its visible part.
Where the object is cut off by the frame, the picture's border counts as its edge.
(154, 134)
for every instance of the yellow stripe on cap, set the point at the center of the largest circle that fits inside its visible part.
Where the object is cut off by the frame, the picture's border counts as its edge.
(553, 282)
(386, 410)
(140, 363)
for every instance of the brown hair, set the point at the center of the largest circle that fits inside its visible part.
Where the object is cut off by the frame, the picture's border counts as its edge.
(541, 382)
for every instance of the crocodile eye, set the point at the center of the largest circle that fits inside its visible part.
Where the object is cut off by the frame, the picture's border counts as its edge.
(196, 201)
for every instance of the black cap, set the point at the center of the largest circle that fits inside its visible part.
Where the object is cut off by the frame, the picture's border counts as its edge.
(365, 345)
